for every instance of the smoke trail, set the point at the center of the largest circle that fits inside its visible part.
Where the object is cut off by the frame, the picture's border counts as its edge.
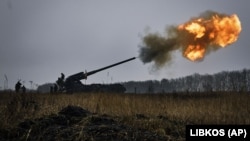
(195, 38)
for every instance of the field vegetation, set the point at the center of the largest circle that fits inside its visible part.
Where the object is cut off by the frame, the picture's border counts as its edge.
(163, 114)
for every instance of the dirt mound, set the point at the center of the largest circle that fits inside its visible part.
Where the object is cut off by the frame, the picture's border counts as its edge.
(75, 123)
(74, 111)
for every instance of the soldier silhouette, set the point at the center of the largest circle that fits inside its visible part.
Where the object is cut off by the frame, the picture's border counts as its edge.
(60, 82)
(23, 89)
(62, 76)
(18, 86)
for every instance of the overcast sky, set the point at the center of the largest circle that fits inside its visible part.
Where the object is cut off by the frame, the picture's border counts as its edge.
(39, 39)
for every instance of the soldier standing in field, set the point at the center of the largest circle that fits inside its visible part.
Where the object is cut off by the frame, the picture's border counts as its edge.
(18, 86)
(23, 89)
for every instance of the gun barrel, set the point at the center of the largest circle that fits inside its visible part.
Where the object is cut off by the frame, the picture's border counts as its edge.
(82, 75)
(104, 68)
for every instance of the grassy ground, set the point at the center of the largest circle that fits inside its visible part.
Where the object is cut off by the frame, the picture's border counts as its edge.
(165, 114)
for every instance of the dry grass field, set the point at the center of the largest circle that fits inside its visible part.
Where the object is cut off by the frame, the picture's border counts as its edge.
(163, 114)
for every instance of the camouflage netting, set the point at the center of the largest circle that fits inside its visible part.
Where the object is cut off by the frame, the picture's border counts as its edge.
(75, 123)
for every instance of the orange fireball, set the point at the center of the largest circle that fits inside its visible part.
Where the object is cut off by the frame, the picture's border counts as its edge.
(217, 31)
(195, 38)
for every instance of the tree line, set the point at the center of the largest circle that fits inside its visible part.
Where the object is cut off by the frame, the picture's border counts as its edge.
(235, 81)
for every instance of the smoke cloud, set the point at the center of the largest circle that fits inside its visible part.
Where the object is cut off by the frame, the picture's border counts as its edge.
(194, 39)
(158, 48)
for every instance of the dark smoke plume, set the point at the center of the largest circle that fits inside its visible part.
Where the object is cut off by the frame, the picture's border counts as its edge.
(158, 49)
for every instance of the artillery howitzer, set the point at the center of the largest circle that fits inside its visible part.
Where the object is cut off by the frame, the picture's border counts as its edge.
(73, 83)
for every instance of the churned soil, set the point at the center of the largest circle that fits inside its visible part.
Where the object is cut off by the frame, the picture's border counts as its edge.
(75, 123)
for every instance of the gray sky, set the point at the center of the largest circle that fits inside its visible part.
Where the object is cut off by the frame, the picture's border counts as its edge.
(41, 39)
